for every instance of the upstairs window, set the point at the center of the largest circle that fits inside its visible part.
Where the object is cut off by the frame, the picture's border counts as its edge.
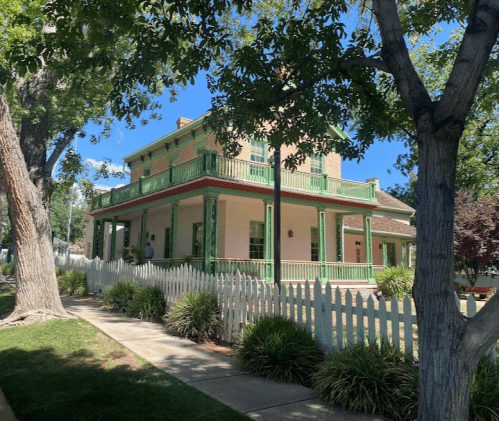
(316, 164)
(257, 151)
(146, 172)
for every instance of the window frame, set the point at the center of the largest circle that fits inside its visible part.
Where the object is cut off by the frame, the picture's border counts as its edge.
(260, 253)
(312, 248)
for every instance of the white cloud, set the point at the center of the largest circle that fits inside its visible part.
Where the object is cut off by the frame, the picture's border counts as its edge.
(95, 164)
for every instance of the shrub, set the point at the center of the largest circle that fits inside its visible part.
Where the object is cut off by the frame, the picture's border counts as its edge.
(73, 282)
(7, 269)
(396, 281)
(484, 396)
(117, 298)
(195, 315)
(133, 255)
(58, 271)
(275, 347)
(148, 304)
(370, 378)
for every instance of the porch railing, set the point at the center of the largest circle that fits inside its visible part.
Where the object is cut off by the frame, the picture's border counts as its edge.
(218, 166)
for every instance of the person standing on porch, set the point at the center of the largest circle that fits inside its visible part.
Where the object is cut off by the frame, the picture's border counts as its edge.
(148, 251)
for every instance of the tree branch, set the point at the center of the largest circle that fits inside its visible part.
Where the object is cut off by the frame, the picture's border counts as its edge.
(394, 52)
(466, 74)
(59, 148)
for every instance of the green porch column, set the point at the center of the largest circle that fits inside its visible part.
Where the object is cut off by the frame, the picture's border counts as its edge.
(404, 254)
(321, 223)
(143, 229)
(340, 237)
(100, 253)
(173, 232)
(126, 236)
(267, 244)
(96, 238)
(368, 247)
(385, 253)
(210, 227)
(113, 239)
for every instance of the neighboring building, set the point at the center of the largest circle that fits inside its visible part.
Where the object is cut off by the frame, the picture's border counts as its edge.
(185, 198)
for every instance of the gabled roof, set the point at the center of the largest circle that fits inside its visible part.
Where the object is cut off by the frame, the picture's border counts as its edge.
(380, 225)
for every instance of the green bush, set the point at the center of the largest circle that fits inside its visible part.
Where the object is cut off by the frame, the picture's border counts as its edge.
(275, 347)
(484, 396)
(370, 378)
(117, 298)
(7, 269)
(195, 315)
(73, 282)
(396, 281)
(133, 255)
(58, 271)
(148, 304)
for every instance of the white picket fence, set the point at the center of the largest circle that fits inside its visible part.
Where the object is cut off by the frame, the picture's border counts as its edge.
(334, 322)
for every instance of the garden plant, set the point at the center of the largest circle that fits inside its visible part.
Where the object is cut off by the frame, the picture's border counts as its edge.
(117, 298)
(395, 281)
(275, 347)
(7, 269)
(148, 304)
(73, 282)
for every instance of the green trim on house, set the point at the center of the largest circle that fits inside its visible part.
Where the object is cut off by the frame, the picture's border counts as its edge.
(382, 234)
(95, 242)
(340, 237)
(403, 244)
(368, 247)
(210, 232)
(385, 254)
(173, 232)
(268, 243)
(143, 229)
(196, 226)
(321, 222)
(113, 238)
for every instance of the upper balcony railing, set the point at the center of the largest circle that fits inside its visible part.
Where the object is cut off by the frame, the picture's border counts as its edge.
(210, 164)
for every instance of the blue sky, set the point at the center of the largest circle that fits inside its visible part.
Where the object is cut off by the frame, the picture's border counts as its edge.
(194, 102)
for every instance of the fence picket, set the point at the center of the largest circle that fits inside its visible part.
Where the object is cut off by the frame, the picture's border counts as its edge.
(308, 307)
(328, 317)
(299, 305)
(349, 317)
(319, 324)
(371, 321)
(359, 312)
(407, 319)
(338, 318)
(395, 323)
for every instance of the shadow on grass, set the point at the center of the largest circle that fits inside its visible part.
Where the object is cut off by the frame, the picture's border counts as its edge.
(42, 385)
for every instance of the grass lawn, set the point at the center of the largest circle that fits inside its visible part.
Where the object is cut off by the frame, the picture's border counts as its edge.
(68, 370)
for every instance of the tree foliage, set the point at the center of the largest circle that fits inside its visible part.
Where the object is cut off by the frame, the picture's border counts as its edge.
(476, 233)
(59, 215)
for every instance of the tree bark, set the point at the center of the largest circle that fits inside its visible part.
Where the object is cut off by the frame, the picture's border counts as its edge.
(37, 296)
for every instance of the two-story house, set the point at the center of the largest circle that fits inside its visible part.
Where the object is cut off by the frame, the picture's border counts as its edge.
(186, 198)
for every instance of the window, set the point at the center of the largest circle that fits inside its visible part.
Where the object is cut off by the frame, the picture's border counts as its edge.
(390, 252)
(316, 164)
(257, 240)
(197, 239)
(257, 154)
(167, 243)
(147, 171)
(172, 160)
(315, 245)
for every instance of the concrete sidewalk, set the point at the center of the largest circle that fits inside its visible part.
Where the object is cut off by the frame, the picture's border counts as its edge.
(216, 375)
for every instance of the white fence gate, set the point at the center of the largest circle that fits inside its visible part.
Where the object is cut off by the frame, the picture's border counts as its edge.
(334, 321)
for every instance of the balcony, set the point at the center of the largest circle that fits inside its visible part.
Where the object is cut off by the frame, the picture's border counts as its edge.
(213, 165)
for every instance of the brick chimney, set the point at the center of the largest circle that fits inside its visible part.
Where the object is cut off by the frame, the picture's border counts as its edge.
(374, 180)
(182, 121)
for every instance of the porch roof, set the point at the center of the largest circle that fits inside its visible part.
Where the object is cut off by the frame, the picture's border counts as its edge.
(380, 224)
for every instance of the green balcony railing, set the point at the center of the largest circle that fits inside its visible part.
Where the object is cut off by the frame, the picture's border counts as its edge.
(216, 166)
(253, 268)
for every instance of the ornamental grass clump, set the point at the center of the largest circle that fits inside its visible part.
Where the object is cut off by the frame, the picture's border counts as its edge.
(73, 282)
(276, 348)
(148, 304)
(117, 298)
(484, 396)
(372, 379)
(58, 271)
(395, 281)
(7, 269)
(195, 316)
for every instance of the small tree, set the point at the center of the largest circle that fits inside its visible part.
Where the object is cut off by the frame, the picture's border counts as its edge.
(476, 233)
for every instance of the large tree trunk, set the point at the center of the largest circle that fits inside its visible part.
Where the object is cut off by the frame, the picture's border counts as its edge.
(448, 355)
(37, 297)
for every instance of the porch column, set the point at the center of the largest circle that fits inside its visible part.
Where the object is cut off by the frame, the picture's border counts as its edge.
(321, 223)
(340, 237)
(210, 227)
(404, 254)
(126, 236)
(173, 232)
(267, 244)
(100, 245)
(143, 230)
(385, 252)
(409, 254)
(368, 247)
(96, 238)
(113, 238)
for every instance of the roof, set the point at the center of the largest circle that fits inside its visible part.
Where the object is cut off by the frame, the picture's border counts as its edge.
(380, 224)
(388, 201)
